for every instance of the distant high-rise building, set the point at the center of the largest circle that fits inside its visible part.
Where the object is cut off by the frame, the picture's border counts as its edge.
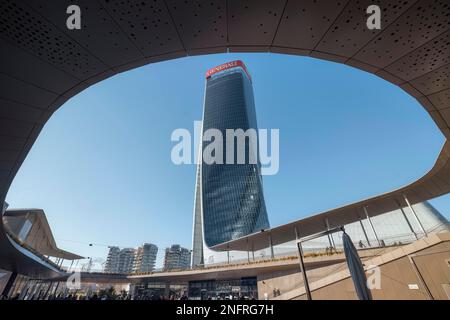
(145, 258)
(120, 261)
(229, 201)
(112, 261)
(130, 260)
(177, 257)
(126, 260)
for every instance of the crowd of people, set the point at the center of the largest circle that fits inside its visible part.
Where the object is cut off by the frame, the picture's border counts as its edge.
(99, 296)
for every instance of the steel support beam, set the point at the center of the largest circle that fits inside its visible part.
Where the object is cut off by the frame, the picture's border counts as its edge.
(371, 226)
(302, 264)
(365, 233)
(415, 215)
(272, 255)
(330, 236)
(407, 221)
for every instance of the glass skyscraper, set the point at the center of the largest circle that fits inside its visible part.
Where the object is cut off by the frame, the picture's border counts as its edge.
(229, 201)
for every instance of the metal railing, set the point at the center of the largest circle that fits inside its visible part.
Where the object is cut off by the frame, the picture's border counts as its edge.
(389, 242)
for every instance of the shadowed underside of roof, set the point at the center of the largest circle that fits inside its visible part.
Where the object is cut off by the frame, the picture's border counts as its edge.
(40, 236)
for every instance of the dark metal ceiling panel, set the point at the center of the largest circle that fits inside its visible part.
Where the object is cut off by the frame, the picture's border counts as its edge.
(426, 103)
(360, 65)
(18, 111)
(253, 22)
(28, 143)
(15, 128)
(8, 155)
(25, 66)
(23, 27)
(19, 91)
(147, 23)
(389, 77)
(200, 23)
(209, 50)
(438, 118)
(445, 113)
(15, 143)
(442, 184)
(432, 188)
(430, 56)
(421, 192)
(337, 220)
(309, 223)
(328, 56)
(7, 158)
(423, 22)
(432, 82)
(300, 18)
(283, 237)
(445, 174)
(411, 90)
(414, 197)
(441, 99)
(99, 32)
(4, 174)
(349, 32)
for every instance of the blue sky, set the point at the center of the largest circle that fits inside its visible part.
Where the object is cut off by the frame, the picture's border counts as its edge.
(101, 168)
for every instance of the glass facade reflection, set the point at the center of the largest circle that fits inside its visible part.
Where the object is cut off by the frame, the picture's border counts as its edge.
(229, 197)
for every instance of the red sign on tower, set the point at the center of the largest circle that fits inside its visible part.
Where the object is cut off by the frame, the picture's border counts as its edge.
(228, 65)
